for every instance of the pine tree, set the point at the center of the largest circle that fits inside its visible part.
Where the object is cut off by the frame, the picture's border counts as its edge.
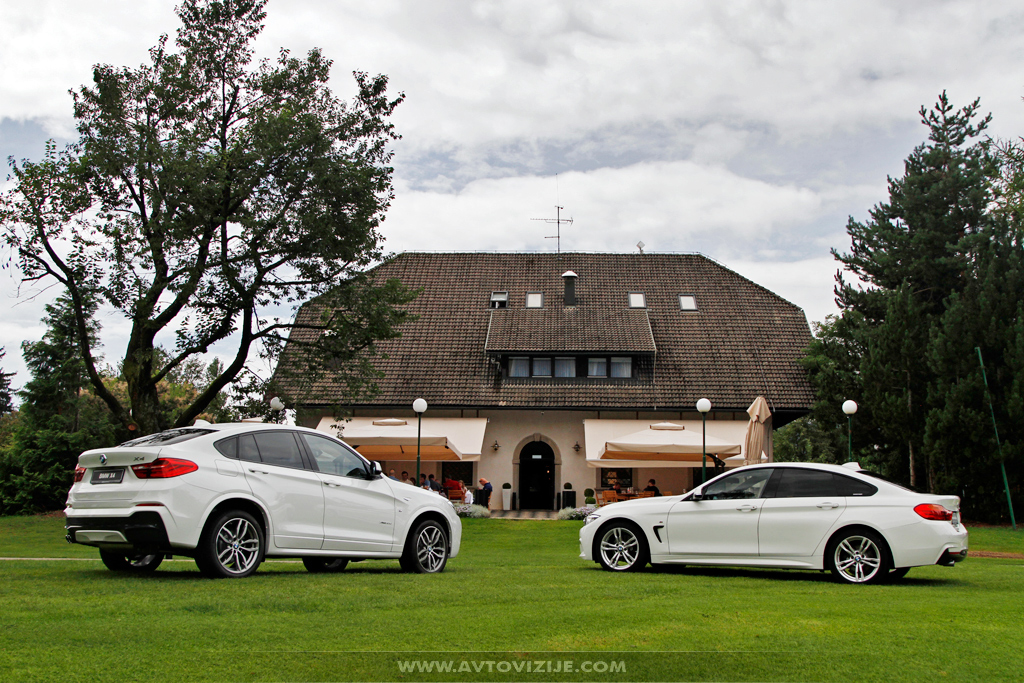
(988, 315)
(913, 254)
(58, 418)
(6, 403)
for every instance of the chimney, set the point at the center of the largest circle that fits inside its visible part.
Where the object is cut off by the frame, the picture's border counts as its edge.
(570, 288)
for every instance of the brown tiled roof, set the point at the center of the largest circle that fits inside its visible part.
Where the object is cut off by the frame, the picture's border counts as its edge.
(741, 342)
(574, 328)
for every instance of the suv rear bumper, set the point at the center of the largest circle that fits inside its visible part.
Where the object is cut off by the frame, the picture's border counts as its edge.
(142, 531)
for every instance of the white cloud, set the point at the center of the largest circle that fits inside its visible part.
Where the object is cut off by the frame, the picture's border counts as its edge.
(744, 129)
(671, 206)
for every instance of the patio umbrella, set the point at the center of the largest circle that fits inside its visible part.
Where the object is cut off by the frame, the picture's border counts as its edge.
(753, 442)
(665, 441)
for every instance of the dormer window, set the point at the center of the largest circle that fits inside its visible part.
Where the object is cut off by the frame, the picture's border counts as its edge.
(518, 367)
(687, 302)
(499, 299)
(637, 300)
(535, 300)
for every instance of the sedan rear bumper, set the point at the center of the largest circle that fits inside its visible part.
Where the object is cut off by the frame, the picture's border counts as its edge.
(951, 557)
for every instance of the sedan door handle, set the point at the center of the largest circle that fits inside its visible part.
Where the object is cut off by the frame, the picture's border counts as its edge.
(258, 471)
(747, 508)
(828, 506)
(332, 484)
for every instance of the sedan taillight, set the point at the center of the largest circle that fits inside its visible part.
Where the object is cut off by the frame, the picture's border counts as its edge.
(164, 468)
(935, 512)
(79, 473)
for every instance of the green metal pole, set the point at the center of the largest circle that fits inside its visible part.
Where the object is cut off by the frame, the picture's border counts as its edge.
(849, 438)
(999, 446)
(704, 448)
(419, 424)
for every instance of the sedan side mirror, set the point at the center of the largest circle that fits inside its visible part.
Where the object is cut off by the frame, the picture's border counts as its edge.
(376, 469)
(697, 496)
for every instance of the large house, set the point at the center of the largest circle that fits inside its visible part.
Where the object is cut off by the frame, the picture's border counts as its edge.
(574, 370)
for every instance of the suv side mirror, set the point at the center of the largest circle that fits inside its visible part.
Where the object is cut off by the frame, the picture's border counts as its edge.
(698, 495)
(375, 469)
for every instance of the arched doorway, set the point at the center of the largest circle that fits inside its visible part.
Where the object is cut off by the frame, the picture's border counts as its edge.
(537, 477)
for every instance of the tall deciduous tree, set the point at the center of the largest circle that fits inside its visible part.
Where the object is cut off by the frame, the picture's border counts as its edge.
(205, 191)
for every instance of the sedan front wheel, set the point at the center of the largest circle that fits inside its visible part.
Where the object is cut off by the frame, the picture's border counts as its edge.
(622, 548)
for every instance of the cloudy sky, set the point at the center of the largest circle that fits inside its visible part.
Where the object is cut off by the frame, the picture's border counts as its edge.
(747, 131)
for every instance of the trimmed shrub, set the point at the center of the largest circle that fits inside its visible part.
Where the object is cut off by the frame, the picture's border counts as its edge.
(576, 513)
(472, 511)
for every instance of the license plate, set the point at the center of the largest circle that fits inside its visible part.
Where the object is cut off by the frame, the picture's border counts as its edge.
(113, 475)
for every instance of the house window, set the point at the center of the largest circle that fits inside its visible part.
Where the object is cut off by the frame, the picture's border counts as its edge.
(687, 302)
(518, 367)
(597, 367)
(637, 300)
(534, 300)
(610, 477)
(622, 367)
(499, 299)
(565, 367)
(541, 367)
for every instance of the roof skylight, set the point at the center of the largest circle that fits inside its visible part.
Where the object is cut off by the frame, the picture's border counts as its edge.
(687, 302)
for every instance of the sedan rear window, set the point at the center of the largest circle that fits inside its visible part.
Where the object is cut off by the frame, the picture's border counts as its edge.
(848, 486)
(167, 438)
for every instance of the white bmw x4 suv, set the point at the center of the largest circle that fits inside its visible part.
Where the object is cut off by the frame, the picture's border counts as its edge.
(231, 495)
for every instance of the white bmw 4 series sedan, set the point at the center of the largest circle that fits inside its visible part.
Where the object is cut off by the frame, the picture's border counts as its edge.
(783, 515)
(232, 495)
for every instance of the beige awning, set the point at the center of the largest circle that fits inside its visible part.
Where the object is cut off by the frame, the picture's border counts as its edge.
(441, 438)
(654, 443)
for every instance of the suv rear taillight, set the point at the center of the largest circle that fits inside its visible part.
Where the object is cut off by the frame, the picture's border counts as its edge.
(935, 512)
(79, 473)
(164, 468)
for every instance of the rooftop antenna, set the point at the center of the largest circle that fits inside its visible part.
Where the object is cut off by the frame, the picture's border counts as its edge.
(640, 245)
(558, 220)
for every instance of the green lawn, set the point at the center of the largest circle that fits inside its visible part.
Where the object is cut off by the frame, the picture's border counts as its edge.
(517, 598)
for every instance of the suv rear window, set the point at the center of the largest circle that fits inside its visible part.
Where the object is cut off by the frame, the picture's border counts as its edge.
(167, 438)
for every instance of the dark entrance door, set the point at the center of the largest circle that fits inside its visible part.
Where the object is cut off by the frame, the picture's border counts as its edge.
(537, 477)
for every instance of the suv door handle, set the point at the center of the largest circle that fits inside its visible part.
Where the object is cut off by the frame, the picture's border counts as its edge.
(332, 484)
(258, 471)
(828, 506)
(747, 508)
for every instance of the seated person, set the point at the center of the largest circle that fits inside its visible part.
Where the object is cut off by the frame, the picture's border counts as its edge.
(652, 488)
(484, 492)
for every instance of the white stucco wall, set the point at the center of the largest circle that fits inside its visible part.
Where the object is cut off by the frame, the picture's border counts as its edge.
(561, 430)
